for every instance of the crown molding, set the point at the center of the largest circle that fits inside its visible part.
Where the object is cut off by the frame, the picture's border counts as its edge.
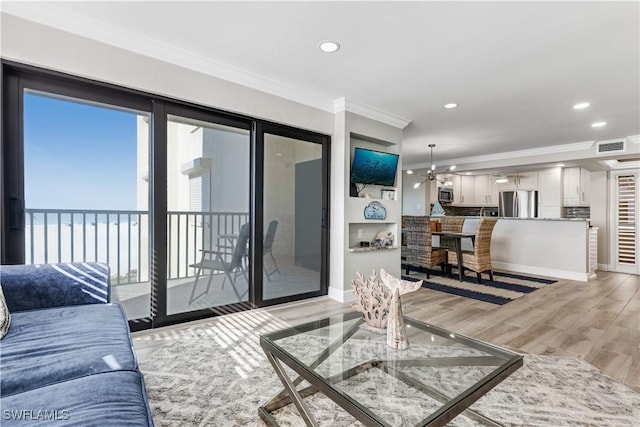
(48, 14)
(344, 104)
(530, 152)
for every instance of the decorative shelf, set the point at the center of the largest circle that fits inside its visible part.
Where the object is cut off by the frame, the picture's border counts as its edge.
(371, 248)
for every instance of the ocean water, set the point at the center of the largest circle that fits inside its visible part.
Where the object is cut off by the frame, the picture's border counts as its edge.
(119, 247)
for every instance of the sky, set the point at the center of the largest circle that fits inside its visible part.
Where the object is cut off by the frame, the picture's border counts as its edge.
(78, 156)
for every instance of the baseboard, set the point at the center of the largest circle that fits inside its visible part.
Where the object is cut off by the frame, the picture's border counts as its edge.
(540, 271)
(341, 295)
(603, 267)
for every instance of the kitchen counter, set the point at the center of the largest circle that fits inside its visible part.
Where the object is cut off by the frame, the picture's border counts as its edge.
(530, 219)
(556, 247)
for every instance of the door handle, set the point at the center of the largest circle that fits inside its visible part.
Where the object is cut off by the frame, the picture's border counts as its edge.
(16, 213)
(325, 218)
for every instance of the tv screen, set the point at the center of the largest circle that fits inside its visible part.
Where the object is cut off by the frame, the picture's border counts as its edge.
(374, 167)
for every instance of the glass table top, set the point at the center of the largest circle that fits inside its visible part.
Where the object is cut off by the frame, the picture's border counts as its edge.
(440, 373)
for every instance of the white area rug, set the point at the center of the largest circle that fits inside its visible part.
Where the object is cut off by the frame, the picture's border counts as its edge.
(216, 374)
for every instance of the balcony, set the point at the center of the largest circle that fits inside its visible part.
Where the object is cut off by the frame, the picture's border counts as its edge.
(121, 240)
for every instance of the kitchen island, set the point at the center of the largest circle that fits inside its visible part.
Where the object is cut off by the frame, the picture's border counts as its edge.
(556, 247)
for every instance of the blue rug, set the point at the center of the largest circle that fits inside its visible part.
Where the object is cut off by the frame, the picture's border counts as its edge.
(497, 291)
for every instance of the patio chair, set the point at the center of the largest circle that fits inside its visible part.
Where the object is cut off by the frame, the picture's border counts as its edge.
(219, 261)
(267, 248)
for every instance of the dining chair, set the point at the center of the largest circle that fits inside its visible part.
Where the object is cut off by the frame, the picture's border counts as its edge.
(479, 259)
(418, 250)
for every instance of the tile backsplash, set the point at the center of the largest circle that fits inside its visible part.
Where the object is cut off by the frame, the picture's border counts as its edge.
(567, 212)
(576, 212)
(469, 210)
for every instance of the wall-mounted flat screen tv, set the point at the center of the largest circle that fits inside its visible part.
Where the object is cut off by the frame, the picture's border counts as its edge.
(374, 167)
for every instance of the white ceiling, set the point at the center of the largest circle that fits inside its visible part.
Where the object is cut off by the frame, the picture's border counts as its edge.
(514, 68)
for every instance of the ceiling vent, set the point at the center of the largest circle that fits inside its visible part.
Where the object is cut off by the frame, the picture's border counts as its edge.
(606, 147)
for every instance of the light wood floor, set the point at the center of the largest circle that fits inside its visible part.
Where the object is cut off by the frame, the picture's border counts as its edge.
(598, 321)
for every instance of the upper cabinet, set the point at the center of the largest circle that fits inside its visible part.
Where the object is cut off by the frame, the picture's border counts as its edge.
(486, 190)
(523, 181)
(576, 186)
(467, 190)
(550, 193)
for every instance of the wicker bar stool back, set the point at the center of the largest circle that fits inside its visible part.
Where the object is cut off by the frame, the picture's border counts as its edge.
(452, 224)
(418, 250)
(479, 260)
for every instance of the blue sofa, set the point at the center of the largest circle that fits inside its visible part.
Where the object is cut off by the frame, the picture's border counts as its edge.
(68, 357)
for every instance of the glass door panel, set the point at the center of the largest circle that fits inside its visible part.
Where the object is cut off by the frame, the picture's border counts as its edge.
(208, 188)
(86, 191)
(292, 212)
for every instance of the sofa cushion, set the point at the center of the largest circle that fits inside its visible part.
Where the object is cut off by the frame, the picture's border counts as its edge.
(106, 399)
(48, 346)
(5, 316)
(32, 287)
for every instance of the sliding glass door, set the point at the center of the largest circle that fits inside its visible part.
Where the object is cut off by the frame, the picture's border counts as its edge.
(76, 187)
(195, 211)
(208, 199)
(294, 224)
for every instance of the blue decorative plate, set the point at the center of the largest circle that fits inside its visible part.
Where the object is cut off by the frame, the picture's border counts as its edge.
(375, 210)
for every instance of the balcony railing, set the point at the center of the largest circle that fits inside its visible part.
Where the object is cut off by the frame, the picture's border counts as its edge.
(120, 239)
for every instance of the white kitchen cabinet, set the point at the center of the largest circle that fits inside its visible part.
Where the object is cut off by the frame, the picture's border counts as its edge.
(585, 187)
(550, 193)
(528, 181)
(576, 186)
(468, 190)
(486, 190)
(521, 181)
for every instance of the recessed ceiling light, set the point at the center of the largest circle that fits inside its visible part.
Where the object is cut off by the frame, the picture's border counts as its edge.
(581, 106)
(452, 167)
(409, 172)
(329, 46)
(598, 124)
(450, 106)
(469, 173)
(560, 165)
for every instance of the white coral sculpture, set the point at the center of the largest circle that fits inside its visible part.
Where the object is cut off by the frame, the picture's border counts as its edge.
(396, 329)
(373, 300)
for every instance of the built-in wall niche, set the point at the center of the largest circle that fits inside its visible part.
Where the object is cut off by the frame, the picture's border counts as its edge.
(373, 192)
(362, 235)
(373, 169)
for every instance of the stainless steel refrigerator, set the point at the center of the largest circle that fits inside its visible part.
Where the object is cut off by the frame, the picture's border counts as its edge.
(518, 204)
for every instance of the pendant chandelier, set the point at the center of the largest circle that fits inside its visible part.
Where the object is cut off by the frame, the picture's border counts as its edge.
(431, 173)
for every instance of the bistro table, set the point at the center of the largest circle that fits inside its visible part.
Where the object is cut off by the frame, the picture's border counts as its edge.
(457, 240)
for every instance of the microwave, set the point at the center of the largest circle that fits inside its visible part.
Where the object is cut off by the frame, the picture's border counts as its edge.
(445, 195)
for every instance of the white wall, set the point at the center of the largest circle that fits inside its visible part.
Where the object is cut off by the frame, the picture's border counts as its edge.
(415, 200)
(35, 44)
(345, 209)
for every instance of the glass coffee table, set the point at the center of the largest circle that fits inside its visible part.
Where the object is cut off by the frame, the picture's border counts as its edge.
(438, 377)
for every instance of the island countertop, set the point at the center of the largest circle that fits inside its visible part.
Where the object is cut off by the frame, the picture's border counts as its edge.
(528, 219)
(556, 247)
